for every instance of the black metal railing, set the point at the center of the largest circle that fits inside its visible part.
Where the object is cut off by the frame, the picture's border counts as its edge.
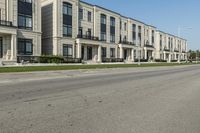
(126, 42)
(166, 49)
(176, 50)
(88, 37)
(149, 46)
(6, 23)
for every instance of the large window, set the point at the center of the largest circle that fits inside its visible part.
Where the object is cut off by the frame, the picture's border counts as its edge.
(112, 29)
(67, 30)
(89, 16)
(67, 9)
(25, 22)
(134, 32)
(25, 47)
(67, 50)
(103, 27)
(25, 14)
(67, 19)
(80, 13)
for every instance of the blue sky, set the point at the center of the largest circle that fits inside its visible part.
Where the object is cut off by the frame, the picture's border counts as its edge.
(166, 15)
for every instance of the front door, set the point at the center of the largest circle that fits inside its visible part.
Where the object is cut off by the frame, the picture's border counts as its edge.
(125, 54)
(89, 52)
(1, 47)
(82, 52)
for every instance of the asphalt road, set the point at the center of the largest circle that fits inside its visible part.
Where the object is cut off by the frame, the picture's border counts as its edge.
(132, 100)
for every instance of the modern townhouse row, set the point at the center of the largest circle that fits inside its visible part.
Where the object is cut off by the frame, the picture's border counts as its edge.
(77, 30)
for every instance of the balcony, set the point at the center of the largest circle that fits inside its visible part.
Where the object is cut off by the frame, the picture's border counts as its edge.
(88, 37)
(176, 50)
(6, 23)
(183, 51)
(167, 49)
(126, 42)
(149, 46)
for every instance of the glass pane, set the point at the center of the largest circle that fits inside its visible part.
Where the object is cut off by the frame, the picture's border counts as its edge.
(21, 21)
(28, 47)
(28, 22)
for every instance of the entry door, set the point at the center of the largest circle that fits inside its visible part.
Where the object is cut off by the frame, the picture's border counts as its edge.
(89, 51)
(125, 54)
(1, 47)
(82, 52)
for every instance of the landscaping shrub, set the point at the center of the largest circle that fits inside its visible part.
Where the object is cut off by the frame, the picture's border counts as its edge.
(51, 59)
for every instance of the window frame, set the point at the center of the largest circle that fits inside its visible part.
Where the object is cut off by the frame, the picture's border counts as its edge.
(24, 42)
(67, 27)
(68, 46)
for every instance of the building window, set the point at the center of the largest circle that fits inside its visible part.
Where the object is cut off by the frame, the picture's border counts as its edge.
(80, 31)
(25, 47)
(89, 16)
(67, 30)
(25, 22)
(67, 9)
(112, 21)
(112, 29)
(112, 52)
(67, 50)
(103, 19)
(25, 14)
(89, 33)
(134, 32)
(153, 37)
(103, 27)
(67, 19)
(160, 42)
(103, 36)
(125, 26)
(81, 14)
(112, 38)
(103, 52)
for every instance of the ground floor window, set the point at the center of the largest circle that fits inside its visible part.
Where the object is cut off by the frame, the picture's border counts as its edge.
(67, 50)
(103, 52)
(1, 48)
(112, 52)
(25, 47)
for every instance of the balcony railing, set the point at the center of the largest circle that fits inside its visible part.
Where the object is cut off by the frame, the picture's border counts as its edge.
(166, 49)
(176, 50)
(149, 46)
(6, 23)
(88, 37)
(126, 42)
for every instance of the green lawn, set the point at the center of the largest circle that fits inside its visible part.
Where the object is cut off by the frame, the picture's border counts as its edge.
(74, 67)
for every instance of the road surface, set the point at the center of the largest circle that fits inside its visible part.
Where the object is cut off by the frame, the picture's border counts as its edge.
(131, 100)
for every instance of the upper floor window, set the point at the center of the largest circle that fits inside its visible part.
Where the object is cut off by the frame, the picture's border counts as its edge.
(103, 19)
(67, 30)
(27, 1)
(25, 22)
(25, 14)
(125, 26)
(134, 28)
(80, 13)
(89, 16)
(112, 21)
(67, 9)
